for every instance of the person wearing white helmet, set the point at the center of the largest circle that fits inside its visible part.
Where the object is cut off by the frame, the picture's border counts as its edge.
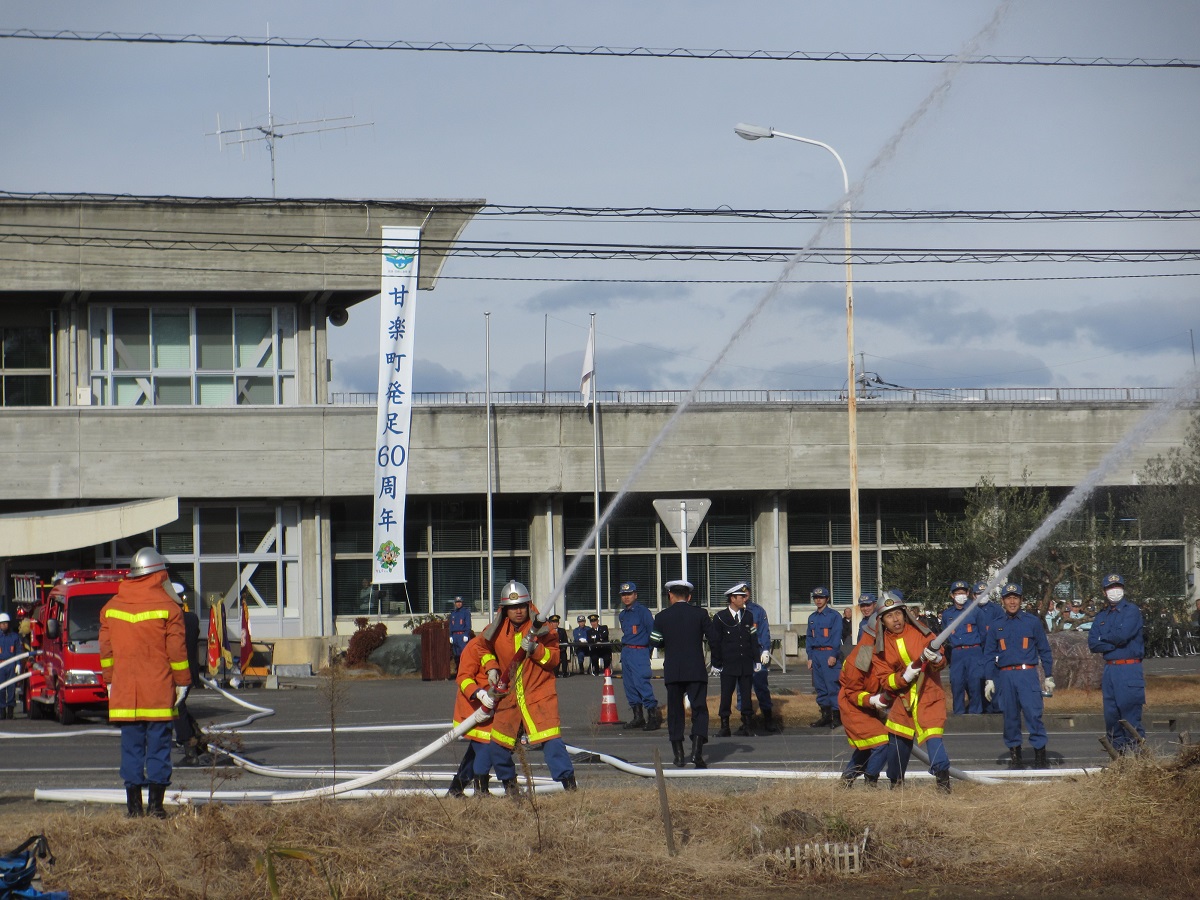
(10, 646)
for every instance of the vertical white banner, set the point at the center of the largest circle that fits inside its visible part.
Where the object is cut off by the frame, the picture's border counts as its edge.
(397, 328)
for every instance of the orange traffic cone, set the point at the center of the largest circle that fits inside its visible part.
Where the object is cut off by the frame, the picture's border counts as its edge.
(608, 702)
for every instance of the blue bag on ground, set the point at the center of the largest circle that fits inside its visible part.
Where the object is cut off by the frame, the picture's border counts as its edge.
(18, 870)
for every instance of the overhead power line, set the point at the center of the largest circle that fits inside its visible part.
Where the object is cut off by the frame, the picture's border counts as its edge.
(317, 43)
(598, 251)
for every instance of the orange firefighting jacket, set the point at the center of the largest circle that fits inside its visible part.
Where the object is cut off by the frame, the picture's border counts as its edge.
(532, 698)
(143, 654)
(864, 728)
(473, 665)
(915, 714)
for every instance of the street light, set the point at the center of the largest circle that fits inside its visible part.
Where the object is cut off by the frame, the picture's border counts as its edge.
(753, 133)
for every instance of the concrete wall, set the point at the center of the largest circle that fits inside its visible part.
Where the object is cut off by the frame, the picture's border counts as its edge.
(94, 453)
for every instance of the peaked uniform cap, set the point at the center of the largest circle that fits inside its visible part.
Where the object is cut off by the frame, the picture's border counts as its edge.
(740, 588)
(1113, 579)
(627, 587)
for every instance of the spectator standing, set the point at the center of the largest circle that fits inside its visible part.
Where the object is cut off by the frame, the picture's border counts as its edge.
(681, 630)
(1116, 634)
(734, 643)
(1014, 646)
(823, 644)
(460, 629)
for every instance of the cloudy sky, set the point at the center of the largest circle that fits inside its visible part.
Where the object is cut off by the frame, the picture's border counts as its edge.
(539, 130)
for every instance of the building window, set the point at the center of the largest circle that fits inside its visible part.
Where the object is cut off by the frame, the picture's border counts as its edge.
(25, 366)
(445, 556)
(193, 356)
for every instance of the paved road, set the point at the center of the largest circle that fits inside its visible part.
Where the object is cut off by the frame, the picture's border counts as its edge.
(43, 754)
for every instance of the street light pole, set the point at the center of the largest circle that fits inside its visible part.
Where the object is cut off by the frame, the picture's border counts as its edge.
(753, 133)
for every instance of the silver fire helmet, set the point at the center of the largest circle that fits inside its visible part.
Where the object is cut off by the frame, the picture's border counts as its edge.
(514, 594)
(147, 561)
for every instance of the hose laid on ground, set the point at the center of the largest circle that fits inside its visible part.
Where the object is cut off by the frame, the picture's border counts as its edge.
(117, 796)
(14, 679)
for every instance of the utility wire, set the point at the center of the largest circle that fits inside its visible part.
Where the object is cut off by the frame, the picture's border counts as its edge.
(596, 51)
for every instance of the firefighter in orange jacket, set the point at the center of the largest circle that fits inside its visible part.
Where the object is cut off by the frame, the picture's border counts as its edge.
(478, 672)
(532, 699)
(909, 671)
(860, 717)
(144, 661)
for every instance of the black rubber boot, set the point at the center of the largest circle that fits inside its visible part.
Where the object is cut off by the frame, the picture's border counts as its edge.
(133, 803)
(568, 782)
(835, 719)
(638, 720)
(511, 789)
(892, 785)
(943, 781)
(871, 781)
(744, 729)
(457, 788)
(1014, 757)
(847, 778)
(724, 732)
(653, 719)
(480, 785)
(191, 754)
(698, 752)
(825, 719)
(1039, 759)
(154, 800)
(770, 723)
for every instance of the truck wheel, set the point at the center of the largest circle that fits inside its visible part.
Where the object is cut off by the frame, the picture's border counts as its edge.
(64, 713)
(34, 709)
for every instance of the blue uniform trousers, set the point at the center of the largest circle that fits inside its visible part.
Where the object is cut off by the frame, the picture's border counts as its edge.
(868, 761)
(8, 695)
(146, 753)
(478, 759)
(635, 676)
(1021, 693)
(900, 749)
(554, 751)
(761, 690)
(966, 679)
(825, 677)
(1124, 690)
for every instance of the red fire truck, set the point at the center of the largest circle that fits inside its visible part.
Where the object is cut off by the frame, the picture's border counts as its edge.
(65, 637)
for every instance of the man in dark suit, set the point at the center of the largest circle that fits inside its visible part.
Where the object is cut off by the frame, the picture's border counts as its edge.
(733, 638)
(680, 630)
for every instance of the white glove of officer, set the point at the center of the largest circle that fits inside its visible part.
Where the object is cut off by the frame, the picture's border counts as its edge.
(765, 659)
(878, 701)
(493, 677)
(529, 643)
(932, 656)
(180, 693)
(910, 674)
(757, 668)
(989, 690)
(714, 670)
(1049, 685)
(485, 699)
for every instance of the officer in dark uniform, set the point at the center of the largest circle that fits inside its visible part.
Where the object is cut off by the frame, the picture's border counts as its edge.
(1116, 634)
(460, 629)
(1014, 645)
(579, 640)
(823, 644)
(762, 689)
(564, 656)
(600, 644)
(966, 652)
(680, 630)
(733, 638)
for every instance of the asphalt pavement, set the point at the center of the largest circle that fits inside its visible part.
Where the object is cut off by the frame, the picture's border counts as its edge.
(382, 720)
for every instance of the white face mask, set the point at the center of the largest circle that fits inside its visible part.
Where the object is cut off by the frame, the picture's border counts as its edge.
(1114, 595)
(960, 598)
(983, 598)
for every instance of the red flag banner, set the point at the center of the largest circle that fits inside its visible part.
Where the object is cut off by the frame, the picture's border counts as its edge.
(247, 651)
(216, 637)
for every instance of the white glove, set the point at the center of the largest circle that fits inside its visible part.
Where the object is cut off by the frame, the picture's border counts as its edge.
(910, 674)
(529, 644)
(877, 701)
(989, 690)
(765, 659)
(1049, 685)
(485, 699)
(180, 693)
(493, 677)
(932, 656)
(715, 670)
(757, 667)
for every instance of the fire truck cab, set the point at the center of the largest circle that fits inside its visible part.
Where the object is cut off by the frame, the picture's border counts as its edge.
(65, 638)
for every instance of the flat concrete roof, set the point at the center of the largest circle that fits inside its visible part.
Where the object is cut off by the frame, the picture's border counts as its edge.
(102, 242)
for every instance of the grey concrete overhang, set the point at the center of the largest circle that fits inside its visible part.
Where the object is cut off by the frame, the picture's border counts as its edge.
(56, 530)
(93, 242)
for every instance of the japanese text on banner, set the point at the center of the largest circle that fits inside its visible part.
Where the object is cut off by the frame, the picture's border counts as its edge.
(397, 328)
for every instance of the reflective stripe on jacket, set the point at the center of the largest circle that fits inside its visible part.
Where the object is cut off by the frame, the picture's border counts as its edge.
(532, 699)
(473, 664)
(864, 729)
(917, 713)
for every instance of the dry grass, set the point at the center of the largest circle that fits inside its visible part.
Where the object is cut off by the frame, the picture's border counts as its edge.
(1131, 831)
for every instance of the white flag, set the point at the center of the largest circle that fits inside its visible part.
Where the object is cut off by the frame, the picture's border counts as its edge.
(589, 366)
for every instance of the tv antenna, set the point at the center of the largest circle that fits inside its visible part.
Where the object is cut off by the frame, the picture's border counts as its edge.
(275, 131)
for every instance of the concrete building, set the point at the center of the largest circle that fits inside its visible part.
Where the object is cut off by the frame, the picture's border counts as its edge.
(165, 380)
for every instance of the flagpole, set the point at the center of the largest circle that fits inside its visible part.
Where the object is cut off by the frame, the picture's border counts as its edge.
(487, 380)
(596, 456)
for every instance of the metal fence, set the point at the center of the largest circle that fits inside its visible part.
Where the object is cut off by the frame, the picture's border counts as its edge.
(674, 398)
